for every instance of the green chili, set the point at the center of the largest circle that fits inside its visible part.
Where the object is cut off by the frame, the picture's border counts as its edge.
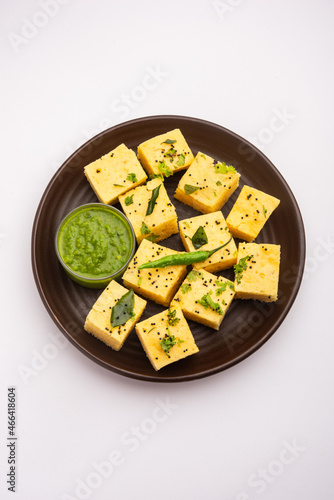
(182, 259)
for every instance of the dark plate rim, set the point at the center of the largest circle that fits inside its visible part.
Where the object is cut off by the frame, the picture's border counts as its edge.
(205, 373)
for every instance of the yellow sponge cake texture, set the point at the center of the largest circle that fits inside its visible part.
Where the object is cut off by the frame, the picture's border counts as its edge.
(98, 319)
(158, 225)
(165, 154)
(171, 329)
(207, 186)
(257, 272)
(217, 233)
(250, 212)
(114, 174)
(197, 286)
(159, 285)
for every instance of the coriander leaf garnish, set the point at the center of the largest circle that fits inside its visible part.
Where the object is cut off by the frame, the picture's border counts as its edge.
(153, 237)
(199, 238)
(222, 286)
(144, 229)
(264, 210)
(169, 141)
(218, 183)
(123, 309)
(185, 288)
(222, 168)
(193, 275)
(171, 317)
(156, 176)
(128, 200)
(188, 189)
(240, 267)
(118, 185)
(206, 301)
(140, 280)
(152, 202)
(169, 341)
(164, 169)
(181, 161)
(132, 178)
(171, 153)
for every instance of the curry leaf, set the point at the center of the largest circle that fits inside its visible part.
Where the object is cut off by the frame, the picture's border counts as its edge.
(123, 309)
(152, 202)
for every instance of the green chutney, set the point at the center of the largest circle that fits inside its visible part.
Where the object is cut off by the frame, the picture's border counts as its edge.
(95, 242)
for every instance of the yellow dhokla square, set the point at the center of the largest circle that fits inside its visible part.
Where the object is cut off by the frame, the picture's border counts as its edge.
(159, 285)
(114, 174)
(165, 154)
(166, 338)
(257, 271)
(98, 319)
(250, 212)
(158, 225)
(217, 234)
(207, 186)
(205, 298)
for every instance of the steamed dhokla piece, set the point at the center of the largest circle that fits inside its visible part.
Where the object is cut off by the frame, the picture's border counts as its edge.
(158, 285)
(257, 271)
(161, 222)
(114, 174)
(165, 154)
(205, 298)
(98, 320)
(207, 186)
(213, 229)
(166, 337)
(250, 212)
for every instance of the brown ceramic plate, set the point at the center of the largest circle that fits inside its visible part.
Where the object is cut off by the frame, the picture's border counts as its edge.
(247, 325)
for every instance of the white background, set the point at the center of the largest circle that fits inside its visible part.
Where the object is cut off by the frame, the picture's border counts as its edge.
(74, 71)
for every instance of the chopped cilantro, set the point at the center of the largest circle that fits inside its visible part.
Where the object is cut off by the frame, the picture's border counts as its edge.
(185, 288)
(264, 210)
(181, 161)
(206, 301)
(222, 286)
(240, 267)
(169, 341)
(153, 237)
(128, 200)
(171, 317)
(193, 275)
(132, 178)
(144, 229)
(222, 168)
(164, 169)
(155, 176)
